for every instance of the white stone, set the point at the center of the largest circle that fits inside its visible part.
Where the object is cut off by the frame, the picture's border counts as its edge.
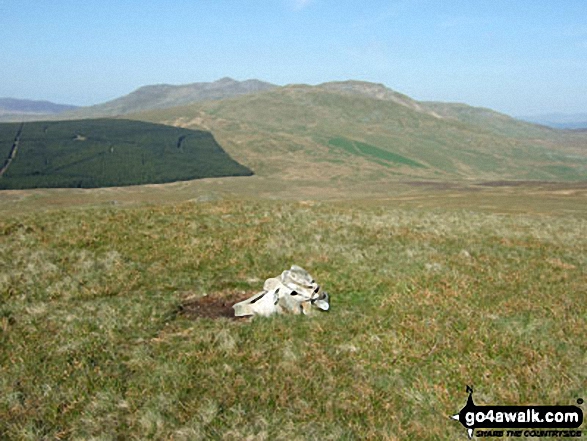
(293, 292)
(263, 303)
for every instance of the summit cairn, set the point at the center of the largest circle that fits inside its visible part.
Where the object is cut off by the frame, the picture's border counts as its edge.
(292, 292)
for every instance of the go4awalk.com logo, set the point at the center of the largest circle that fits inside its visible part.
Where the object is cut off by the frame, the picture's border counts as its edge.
(516, 421)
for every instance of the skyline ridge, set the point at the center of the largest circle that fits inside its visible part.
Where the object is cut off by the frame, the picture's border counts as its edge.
(541, 118)
(518, 58)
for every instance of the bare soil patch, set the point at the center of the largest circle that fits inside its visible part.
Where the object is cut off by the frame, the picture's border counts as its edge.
(215, 306)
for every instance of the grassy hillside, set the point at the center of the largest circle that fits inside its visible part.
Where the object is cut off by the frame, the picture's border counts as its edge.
(98, 341)
(490, 120)
(162, 96)
(105, 152)
(438, 279)
(571, 121)
(288, 133)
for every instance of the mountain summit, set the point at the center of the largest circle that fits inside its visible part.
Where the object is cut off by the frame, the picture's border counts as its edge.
(162, 96)
(371, 90)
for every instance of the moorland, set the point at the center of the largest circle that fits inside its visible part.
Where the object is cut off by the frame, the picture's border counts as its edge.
(451, 239)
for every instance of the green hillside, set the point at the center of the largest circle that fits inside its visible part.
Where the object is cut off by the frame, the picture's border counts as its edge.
(288, 133)
(100, 338)
(115, 303)
(107, 152)
(489, 120)
(352, 131)
(160, 96)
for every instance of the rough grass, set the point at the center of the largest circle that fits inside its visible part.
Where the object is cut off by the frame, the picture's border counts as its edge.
(424, 302)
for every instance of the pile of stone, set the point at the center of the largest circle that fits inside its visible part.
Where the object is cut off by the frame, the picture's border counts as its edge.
(293, 292)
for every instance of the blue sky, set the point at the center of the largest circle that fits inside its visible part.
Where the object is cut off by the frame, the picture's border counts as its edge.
(516, 56)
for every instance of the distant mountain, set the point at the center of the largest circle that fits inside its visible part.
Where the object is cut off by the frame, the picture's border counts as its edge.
(16, 109)
(360, 131)
(483, 118)
(354, 131)
(559, 120)
(163, 96)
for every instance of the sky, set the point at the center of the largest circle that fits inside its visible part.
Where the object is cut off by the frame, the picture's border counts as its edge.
(519, 57)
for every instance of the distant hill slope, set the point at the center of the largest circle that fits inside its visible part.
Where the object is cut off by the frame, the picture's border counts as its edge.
(559, 120)
(106, 152)
(357, 131)
(487, 119)
(12, 109)
(164, 96)
(14, 105)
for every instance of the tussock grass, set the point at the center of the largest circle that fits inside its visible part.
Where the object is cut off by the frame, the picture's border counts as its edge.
(424, 301)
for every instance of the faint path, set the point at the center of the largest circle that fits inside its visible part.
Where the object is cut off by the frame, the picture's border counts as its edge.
(13, 151)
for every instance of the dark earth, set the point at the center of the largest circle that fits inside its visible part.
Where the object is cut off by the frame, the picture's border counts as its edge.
(215, 305)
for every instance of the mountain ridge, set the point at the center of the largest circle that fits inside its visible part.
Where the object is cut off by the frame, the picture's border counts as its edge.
(161, 96)
(363, 132)
(354, 130)
(15, 106)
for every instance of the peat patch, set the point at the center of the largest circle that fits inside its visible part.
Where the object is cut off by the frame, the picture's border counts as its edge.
(214, 306)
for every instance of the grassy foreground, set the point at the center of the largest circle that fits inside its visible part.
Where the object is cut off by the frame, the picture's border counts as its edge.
(424, 302)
